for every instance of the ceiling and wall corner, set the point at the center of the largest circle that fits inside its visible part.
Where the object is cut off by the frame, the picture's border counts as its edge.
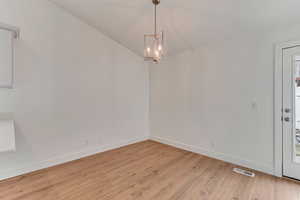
(188, 24)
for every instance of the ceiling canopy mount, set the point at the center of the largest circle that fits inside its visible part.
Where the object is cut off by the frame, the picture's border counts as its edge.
(155, 2)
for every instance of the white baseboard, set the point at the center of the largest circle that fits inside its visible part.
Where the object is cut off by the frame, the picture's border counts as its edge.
(66, 158)
(269, 169)
(98, 149)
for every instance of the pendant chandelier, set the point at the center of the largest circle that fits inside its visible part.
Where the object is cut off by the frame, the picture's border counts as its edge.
(154, 43)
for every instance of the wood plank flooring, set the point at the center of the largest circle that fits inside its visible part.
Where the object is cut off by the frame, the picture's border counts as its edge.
(146, 170)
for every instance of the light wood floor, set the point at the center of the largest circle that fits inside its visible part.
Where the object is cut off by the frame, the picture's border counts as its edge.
(146, 170)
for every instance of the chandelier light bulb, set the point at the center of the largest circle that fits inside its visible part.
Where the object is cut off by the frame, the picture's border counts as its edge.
(159, 47)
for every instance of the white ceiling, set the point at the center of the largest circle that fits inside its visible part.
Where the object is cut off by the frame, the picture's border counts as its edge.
(187, 23)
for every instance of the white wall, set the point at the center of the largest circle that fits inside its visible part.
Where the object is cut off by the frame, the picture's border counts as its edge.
(76, 91)
(218, 100)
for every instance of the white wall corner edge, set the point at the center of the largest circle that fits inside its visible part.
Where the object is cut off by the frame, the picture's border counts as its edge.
(216, 155)
(10, 173)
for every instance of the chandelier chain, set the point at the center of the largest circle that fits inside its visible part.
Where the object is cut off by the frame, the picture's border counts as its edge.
(155, 31)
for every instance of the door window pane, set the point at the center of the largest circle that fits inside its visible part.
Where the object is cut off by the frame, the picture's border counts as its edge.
(296, 141)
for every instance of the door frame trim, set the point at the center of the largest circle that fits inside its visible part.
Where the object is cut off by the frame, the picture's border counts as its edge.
(278, 132)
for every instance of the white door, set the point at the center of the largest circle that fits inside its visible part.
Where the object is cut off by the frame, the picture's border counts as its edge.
(291, 112)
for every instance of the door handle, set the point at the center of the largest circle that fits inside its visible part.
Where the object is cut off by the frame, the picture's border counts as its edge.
(287, 110)
(287, 119)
